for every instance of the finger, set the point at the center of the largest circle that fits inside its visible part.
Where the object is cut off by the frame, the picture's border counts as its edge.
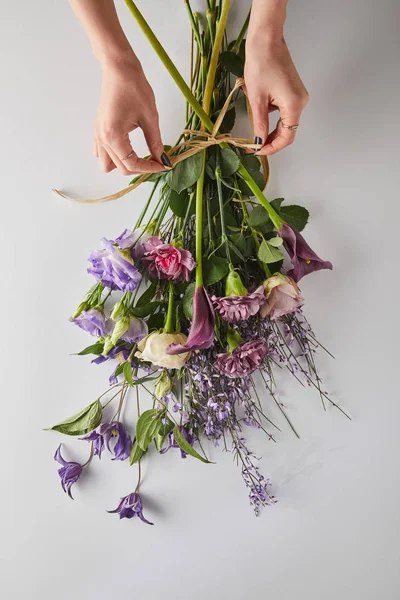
(281, 137)
(151, 131)
(106, 163)
(95, 149)
(259, 109)
(120, 148)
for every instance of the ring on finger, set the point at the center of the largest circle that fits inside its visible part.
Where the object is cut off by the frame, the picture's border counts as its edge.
(290, 127)
(131, 153)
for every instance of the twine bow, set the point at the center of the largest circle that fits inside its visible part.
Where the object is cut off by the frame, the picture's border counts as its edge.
(194, 146)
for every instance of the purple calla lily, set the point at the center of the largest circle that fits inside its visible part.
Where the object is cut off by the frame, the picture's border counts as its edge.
(304, 259)
(129, 507)
(201, 334)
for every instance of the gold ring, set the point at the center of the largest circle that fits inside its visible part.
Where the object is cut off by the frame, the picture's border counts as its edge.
(290, 127)
(131, 153)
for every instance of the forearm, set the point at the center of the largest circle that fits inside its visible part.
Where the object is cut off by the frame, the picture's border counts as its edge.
(100, 21)
(267, 18)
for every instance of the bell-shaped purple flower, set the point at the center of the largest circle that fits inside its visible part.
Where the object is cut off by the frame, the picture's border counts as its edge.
(69, 472)
(94, 322)
(113, 264)
(239, 308)
(245, 358)
(188, 435)
(129, 507)
(105, 435)
(201, 333)
(304, 259)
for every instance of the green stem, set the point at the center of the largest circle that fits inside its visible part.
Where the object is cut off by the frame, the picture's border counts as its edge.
(194, 27)
(212, 68)
(198, 109)
(169, 322)
(243, 31)
(199, 223)
(222, 214)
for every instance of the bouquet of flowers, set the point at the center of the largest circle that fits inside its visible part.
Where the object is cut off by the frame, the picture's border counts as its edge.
(195, 299)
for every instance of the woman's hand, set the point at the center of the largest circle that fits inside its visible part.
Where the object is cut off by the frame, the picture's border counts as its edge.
(127, 102)
(272, 83)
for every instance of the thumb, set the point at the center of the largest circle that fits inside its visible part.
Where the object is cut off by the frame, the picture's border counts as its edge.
(151, 131)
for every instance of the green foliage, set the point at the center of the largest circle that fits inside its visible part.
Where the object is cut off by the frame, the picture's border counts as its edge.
(147, 427)
(268, 252)
(232, 63)
(147, 295)
(186, 173)
(127, 371)
(96, 349)
(84, 422)
(295, 215)
(214, 269)
(258, 217)
(186, 447)
(188, 300)
(178, 203)
(136, 453)
(145, 310)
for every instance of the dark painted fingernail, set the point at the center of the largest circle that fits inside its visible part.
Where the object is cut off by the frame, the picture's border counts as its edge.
(258, 141)
(165, 160)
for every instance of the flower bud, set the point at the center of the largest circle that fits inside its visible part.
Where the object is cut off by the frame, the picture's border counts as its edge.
(108, 345)
(233, 338)
(117, 310)
(82, 307)
(234, 285)
(163, 385)
(120, 328)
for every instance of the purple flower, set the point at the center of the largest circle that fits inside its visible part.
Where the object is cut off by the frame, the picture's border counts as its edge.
(134, 240)
(201, 334)
(113, 265)
(69, 472)
(104, 434)
(304, 260)
(165, 261)
(189, 437)
(239, 308)
(94, 322)
(137, 330)
(246, 358)
(129, 507)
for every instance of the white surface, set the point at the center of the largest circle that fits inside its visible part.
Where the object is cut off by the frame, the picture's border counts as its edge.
(334, 532)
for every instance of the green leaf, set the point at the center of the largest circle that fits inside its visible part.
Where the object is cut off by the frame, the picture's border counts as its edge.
(275, 241)
(258, 217)
(232, 63)
(229, 162)
(235, 249)
(83, 422)
(146, 296)
(251, 162)
(228, 121)
(155, 176)
(269, 254)
(136, 453)
(178, 203)
(145, 310)
(277, 203)
(258, 178)
(296, 216)
(128, 372)
(239, 241)
(188, 300)
(186, 173)
(214, 270)
(147, 427)
(186, 447)
(165, 429)
(96, 348)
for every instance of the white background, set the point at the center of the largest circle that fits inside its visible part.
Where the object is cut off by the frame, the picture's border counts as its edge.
(334, 532)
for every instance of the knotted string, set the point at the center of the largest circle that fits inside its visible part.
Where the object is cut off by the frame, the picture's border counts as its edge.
(193, 146)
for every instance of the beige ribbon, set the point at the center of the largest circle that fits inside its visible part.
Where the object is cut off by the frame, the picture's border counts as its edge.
(194, 146)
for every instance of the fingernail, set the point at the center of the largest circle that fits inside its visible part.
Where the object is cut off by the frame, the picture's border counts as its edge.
(258, 141)
(165, 160)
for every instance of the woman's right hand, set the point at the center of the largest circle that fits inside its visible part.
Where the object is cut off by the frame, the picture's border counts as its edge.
(127, 102)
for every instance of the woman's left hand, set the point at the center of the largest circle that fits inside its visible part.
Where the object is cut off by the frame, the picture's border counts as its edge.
(272, 83)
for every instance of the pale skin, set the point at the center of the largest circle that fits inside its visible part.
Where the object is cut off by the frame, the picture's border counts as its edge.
(127, 100)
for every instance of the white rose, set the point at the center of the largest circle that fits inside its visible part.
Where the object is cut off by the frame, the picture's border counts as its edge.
(153, 348)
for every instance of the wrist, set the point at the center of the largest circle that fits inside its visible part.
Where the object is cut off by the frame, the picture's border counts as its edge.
(267, 20)
(117, 58)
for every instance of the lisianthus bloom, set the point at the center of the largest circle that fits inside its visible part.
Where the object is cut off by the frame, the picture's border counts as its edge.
(114, 266)
(239, 308)
(69, 472)
(201, 334)
(119, 353)
(188, 435)
(245, 358)
(153, 348)
(129, 507)
(94, 322)
(134, 240)
(105, 434)
(304, 260)
(165, 261)
(283, 297)
(129, 329)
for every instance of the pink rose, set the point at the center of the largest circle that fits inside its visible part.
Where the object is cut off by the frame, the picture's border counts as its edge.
(165, 261)
(283, 297)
